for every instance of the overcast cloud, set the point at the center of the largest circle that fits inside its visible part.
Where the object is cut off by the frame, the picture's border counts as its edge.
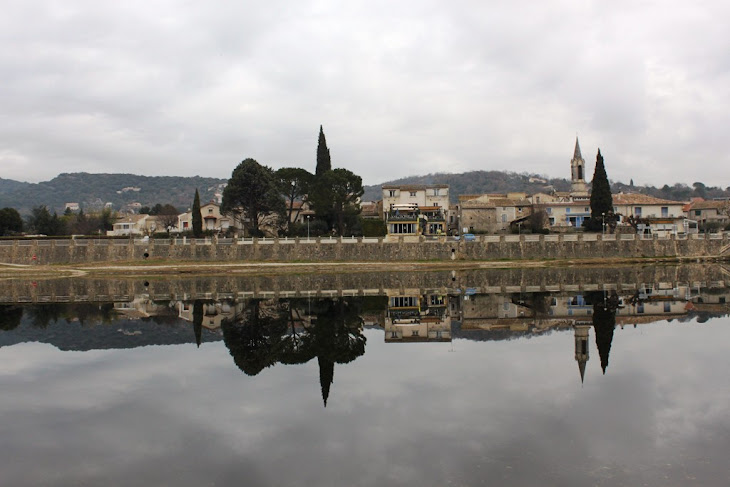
(402, 88)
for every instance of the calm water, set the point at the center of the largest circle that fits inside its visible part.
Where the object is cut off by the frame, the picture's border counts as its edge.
(622, 384)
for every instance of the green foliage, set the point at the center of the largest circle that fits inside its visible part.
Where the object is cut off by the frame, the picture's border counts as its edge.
(373, 228)
(324, 162)
(197, 216)
(96, 223)
(601, 199)
(42, 222)
(166, 209)
(294, 184)
(335, 199)
(253, 193)
(10, 222)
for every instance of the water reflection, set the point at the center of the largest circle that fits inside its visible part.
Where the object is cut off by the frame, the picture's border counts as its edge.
(261, 333)
(509, 404)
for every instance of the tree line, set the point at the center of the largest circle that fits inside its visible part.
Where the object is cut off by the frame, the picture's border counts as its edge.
(262, 198)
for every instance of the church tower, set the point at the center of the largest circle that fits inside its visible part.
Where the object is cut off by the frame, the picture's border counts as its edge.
(578, 172)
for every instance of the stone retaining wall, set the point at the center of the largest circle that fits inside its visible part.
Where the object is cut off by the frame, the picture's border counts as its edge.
(486, 247)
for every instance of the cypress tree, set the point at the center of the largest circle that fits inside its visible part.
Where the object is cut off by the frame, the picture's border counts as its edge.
(197, 217)
(601, 199)
(324, 163)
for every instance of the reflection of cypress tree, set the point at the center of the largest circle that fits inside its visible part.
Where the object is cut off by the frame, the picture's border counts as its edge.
(198, 321)
(336, 337)
(332, 334)
(604, 322)
(326, 376)
(10, 317)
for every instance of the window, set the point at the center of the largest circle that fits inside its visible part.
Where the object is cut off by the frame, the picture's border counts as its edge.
(391, 193)
(413, 193)
(393, 334)
(414, 333)
(504, 218)
(665, 211)
(586, 209)
(435, 191)
(210, 210)
(637, 210)
(185, 224)
(698, 212)
(549, 211)
(567, 210)
(667, 307)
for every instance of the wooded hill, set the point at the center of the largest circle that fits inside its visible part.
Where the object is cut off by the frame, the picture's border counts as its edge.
(92, 191)
(477, 182)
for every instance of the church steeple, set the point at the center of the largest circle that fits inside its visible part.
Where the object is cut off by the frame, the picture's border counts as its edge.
(576, 152)
(577, 172)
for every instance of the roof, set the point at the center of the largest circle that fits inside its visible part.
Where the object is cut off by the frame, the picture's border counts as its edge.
(414, 187)
(131, 218)
(576, 152)
(641, 199)
(709, 205)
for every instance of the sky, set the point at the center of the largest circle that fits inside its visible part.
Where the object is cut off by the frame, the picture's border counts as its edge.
(401, 88)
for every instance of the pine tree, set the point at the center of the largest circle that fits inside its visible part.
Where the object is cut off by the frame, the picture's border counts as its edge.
(601, 199)
(324, 163)
(197, 216)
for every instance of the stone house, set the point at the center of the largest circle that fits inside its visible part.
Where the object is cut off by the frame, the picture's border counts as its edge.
(491, 213)
(213, 219)
(710, 211)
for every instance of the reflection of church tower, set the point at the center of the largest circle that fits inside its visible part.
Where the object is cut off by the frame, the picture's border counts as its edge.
(581, 348)
(578, 172)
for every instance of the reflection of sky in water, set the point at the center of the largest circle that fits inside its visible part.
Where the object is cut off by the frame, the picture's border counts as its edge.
(461, 413)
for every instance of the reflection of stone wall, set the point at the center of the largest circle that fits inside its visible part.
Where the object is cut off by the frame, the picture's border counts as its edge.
(368, 283)
(575, 246)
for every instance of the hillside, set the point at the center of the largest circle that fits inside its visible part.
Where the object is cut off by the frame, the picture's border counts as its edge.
(92, 191)
(475, 182)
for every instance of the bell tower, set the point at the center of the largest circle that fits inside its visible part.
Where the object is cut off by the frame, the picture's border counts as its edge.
(578, 172)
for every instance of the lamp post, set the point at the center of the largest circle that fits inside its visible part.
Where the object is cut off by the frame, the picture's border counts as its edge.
(603, 220)
(307, 227)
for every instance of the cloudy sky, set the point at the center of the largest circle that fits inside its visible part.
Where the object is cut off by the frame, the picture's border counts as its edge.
(402, 88)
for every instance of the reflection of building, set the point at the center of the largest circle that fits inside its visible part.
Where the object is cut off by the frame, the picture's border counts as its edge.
(142, 306)
(214, 312)
(412, 317)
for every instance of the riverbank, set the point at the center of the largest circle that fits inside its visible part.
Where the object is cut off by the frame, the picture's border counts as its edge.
(149, 268)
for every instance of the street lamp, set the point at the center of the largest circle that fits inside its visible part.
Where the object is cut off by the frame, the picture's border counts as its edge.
(307, 227)
(603, 220)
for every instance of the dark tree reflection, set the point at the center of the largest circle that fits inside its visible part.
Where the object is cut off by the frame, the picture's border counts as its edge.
(604, 321)
(296, 331)
(10, 316)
